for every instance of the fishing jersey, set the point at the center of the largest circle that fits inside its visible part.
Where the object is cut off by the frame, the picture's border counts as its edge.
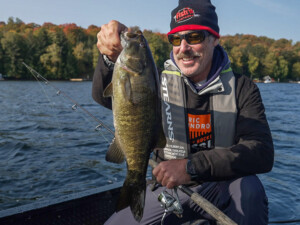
(221, 128)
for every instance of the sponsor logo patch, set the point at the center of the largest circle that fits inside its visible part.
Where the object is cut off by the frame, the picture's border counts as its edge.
(184, 14)
(200, 130)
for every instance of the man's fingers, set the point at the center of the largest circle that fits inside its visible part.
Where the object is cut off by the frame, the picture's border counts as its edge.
(109, 42)
(122, 27)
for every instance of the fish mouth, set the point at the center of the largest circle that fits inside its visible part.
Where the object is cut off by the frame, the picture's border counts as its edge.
(127, 36)
(133, 55)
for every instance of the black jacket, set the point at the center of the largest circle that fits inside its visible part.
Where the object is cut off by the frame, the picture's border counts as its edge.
(252, 152)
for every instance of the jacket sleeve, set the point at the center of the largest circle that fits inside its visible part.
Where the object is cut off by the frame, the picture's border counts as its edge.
(253, 152)
(102, 77)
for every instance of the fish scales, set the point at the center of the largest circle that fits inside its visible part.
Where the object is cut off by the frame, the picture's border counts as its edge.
(137, 117)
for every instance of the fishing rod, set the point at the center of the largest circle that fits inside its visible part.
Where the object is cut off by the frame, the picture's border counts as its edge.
(76, 105)
(202, 202)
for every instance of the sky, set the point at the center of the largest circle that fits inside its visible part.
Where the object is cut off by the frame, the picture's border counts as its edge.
(272, 18)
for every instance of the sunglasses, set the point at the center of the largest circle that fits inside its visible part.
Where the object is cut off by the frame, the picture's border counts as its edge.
(192, 38)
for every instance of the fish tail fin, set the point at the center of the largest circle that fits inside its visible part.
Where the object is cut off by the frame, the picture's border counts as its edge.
(133, 194)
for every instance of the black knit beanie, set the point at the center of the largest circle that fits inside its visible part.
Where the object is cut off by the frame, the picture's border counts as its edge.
(194, 15)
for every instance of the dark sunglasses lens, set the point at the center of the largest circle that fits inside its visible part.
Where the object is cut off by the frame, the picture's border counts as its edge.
(195, 37)
(174, 39)
(191, 38)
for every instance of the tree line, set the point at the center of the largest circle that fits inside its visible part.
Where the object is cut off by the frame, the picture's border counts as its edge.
(67, 51)
(257, 57)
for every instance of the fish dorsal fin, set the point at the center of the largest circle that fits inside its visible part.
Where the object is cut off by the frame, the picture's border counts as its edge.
(114, 153)
(108, 92)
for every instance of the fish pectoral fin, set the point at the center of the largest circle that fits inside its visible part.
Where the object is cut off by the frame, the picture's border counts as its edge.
(114, 153)
(108, 92)
(126, 88)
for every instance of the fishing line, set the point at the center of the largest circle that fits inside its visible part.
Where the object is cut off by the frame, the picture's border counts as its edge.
(51, 102)
(75, 105)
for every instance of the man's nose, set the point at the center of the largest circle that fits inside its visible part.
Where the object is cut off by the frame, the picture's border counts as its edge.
(184, 46)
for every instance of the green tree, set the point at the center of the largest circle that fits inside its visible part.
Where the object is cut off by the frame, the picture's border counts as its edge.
(276, 66)
(13, 24)
(52, 61)
(70, 68)
(253, 65)
(296, 71)
(159, 47)
(14, 47)
(256, 54)
(74, 34)
(270, 64)
(61, 49)
(39, 43)
(283, 68)
(84, 57)
(95, 56)
(282, 43)
(235, 57)
(227, 43)
(1, 56)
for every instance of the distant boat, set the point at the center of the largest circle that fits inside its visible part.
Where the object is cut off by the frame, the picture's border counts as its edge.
(268, 79)
(76, 79)
(256, 80)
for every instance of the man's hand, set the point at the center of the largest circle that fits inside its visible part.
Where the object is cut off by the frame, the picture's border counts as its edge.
(109, 42)
(172, 173)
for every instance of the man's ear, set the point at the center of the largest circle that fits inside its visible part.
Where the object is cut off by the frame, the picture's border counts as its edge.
(216, 41)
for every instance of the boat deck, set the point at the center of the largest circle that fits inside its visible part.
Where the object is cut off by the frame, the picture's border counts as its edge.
(92, 207)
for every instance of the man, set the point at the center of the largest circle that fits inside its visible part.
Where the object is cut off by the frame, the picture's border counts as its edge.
(217, 133)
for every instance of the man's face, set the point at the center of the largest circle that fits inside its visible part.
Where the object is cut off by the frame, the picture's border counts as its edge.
(195, 60)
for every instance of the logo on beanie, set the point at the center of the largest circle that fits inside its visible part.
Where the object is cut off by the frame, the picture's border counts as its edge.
(184, 14)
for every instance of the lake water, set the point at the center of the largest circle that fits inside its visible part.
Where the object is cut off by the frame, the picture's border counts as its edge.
(48, 149)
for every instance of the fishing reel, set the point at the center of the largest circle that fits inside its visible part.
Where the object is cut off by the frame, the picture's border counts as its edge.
(170, 203)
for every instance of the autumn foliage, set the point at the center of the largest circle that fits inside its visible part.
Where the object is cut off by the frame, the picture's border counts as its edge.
(69, 51)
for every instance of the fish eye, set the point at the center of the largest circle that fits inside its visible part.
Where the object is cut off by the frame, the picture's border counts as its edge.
(141, 41)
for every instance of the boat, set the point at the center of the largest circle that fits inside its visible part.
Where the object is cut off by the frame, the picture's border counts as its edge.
(76, 79)
(268, 79)
(92, 207)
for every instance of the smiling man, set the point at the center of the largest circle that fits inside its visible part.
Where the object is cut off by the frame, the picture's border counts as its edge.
(194, 60)
(218, 137)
